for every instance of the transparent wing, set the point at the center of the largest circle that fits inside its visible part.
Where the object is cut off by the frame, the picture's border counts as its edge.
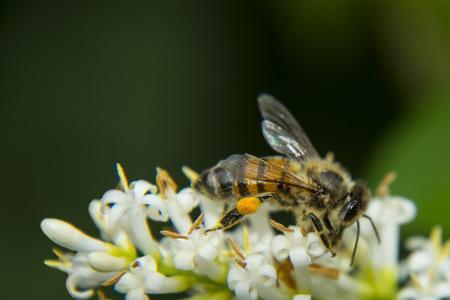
(247, 168)
(282, 131)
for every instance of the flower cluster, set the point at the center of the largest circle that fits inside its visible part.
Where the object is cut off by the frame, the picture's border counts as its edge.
(261, 259)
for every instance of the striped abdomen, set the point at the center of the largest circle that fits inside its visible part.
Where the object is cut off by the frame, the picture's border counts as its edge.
(242, 176)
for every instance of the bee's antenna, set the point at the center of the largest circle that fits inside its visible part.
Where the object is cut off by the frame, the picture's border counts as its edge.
(374, 227)
(356, 243)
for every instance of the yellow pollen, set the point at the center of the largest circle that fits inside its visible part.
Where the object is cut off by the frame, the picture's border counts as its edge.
(248, 205)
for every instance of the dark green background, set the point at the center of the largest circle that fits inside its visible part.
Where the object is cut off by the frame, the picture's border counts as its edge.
(166, 83)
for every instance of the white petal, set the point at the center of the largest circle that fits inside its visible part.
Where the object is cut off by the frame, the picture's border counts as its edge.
(208, 251)
(441, 290)
(280, 247)
(128, 282)
(187, 200)
(254, 262)
(212, 209)
(135, 225)
(235, 275)
(67, 236)
(299, 257)
(95, 211)
(244, 291)
(159, 284)
(142, 187)
(156, 208)
(143, 266)
(72, 287)
(267, 275)
(148, 263)
(416, 242)
(375, 207)
(401, 209)
(180, 219)
(209, 269)
(408, 294)
(137, 294)
(113, 197)
(115, 214)
(302, 297)
(184, 260)
(315, 246)
(419, 261)
(105, 262)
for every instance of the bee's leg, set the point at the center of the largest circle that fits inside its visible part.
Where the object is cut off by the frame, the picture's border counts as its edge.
(319, 228)
(244, 206)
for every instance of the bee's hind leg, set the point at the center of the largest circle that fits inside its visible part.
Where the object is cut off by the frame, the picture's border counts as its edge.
(231, 218)
(244, 206)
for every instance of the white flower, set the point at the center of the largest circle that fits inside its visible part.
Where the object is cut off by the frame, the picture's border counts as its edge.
(301, 250)
(428, 267)
(143, 278)
(196, 245)
(82, 279)
(129, 210)
(256, 274)
(388, 213)
(69, 237)
(276, 267)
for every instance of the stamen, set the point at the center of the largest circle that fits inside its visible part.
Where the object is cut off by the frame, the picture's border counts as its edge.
(113, 280)
(122, 177)
(280, 226)
(284, 272)
(197, 223)
(415, 281)
(445, 251)
(246, 239)
(236, 248)
(383, 189)
(174, 235)
(436, 237)
(190, 174)
(164, 182)
(324, 271)
(240, 262)
(60, 254)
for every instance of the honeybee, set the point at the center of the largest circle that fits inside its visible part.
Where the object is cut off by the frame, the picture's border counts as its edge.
(319, 191)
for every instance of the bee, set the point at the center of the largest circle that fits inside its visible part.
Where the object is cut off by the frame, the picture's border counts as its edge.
(319, 191)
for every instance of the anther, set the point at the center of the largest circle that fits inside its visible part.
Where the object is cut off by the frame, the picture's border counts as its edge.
(164, 182)
(113, 280)
(324, 271)
(240, 262)
(236, 248)
(280, 226)
(197, 223)
(174, 235)
(383, 188)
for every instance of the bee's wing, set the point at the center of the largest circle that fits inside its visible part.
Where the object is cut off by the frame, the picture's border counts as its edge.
(282, 131)
(247, 168)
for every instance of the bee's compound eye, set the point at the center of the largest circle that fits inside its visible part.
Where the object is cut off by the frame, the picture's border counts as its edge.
(351, 210)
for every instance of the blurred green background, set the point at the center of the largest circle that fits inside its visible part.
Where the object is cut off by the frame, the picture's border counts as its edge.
(167, 83)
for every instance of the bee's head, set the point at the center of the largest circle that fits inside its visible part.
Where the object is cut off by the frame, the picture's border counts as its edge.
(353, 208)
(355, 205)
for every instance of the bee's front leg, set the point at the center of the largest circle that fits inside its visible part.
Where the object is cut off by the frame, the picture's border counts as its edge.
(244, 206)
(320, 231)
